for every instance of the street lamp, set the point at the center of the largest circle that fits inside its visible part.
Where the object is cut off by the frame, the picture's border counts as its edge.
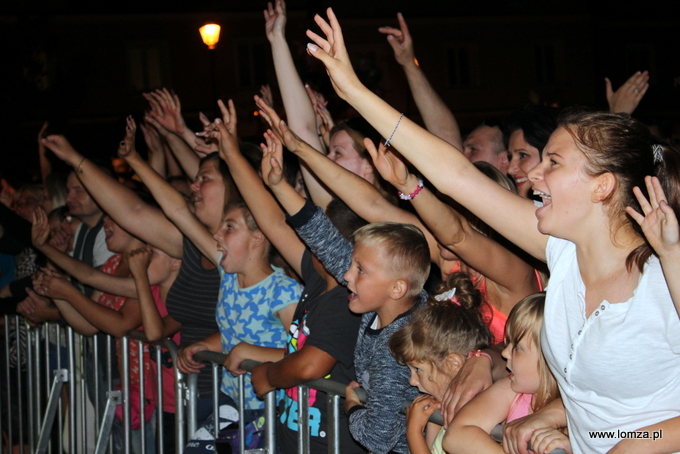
(210, 34)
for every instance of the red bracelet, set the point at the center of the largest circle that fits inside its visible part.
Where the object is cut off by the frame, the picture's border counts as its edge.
(412, 195)
(478, 353)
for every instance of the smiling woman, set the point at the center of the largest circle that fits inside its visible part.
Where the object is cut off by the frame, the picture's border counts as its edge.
(525, 133)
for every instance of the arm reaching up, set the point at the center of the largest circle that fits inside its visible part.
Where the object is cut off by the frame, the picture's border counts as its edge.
(171, 201)
(267, 213)
(442, 164)
(296, 102)
(118, 201)
(438, 118)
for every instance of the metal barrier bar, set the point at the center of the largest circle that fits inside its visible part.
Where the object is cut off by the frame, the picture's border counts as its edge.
(159, 386)
(142, 400)
(31, 373)
(20, 421)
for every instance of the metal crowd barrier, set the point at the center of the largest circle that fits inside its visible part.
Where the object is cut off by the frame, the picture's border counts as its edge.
(39, 405)
(44, 390)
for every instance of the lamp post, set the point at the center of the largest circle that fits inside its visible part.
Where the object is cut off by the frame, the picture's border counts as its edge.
(210, 34)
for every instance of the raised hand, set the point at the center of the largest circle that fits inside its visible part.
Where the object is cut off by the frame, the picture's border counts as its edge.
(40, 231)
(223, 131)
(333, 54)
(152, 138)
(629, 95)
(166, 109)
(204, 144)
(267, 95)
(658, 220)
(138, 260)
(389, 165)
(401, 42)
(127, 149)
(62, 149)
(272, 159)
(42, 132)
(279, 127)
(275, 19)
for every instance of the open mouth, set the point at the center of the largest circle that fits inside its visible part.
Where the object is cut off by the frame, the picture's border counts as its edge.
(521, 181)
(352, 296)
(544, 197)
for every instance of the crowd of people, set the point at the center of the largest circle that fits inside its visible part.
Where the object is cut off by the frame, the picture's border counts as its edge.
(518, 275)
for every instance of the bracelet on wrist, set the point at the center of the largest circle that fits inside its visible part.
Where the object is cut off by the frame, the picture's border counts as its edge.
(412, 195)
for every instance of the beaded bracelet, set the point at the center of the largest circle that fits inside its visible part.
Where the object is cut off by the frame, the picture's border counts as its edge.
(412, 195)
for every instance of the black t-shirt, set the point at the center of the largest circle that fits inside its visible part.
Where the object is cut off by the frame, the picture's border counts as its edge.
(322, 320)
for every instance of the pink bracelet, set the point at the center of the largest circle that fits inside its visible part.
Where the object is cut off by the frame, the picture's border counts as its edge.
(412, 195)
(478, 353)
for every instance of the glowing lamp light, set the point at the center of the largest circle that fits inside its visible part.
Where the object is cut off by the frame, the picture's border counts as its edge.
(210, 34)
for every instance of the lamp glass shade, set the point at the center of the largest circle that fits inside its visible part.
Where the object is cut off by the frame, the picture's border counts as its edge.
(210, 34)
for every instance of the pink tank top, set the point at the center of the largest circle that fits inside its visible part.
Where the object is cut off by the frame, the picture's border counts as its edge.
(521, 407)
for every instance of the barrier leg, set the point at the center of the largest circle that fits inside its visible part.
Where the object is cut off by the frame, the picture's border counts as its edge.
(113, 400)
(180, 420)
(60, 376)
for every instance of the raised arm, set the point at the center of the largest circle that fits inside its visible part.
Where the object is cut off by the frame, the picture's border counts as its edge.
(166, 109)
(156, 148)
(45, 165)
(118, 201)
(298, 107)
(80, 270)
(171, 201)
(267, 213)
(360, 196)
(438, 118)
(441, 163)
(181, 150)
(514, 276)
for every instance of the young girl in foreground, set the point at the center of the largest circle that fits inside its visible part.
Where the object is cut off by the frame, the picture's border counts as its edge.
(528, 388)
(435, 345)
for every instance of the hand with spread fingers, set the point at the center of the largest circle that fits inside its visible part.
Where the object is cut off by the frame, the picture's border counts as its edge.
(333, 54)
(629, 95)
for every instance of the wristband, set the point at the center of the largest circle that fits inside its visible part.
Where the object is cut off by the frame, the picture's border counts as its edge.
(478, 353)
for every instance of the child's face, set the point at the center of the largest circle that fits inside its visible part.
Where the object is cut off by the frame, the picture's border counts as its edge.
(233, 239)
(428, 378)
(522, 363)
(368, 280)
